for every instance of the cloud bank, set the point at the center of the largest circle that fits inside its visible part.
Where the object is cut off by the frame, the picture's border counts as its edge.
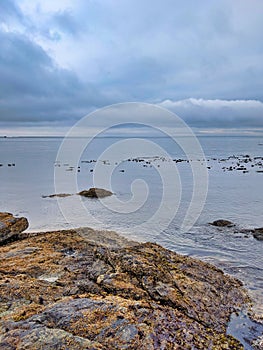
(218, 113)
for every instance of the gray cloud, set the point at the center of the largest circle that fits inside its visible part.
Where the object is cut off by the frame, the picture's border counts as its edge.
(202, 60)
(34, 88)
(66, 22)
(9, 10)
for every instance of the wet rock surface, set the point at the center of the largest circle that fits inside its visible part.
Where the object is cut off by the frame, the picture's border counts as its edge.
(11, 227)
(87, 289)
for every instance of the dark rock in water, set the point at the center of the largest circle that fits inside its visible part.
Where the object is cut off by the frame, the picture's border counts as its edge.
(95, 193)
(60, 195)
(111, 293)
(222, 223)
(258, 233)
(11, 227)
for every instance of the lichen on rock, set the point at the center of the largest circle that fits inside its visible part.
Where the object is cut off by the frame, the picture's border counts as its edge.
(111, 293)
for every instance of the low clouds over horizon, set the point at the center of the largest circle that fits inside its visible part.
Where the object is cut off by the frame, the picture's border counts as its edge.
(201, 60)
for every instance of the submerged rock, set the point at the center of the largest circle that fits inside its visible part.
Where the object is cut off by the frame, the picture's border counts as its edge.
(111, 293)
(59, 195)
(11, 227)
(95, 193)
(222, 223)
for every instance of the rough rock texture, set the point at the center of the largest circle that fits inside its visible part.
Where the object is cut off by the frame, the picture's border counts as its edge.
(95, 193)
(86, 289)
(11, 227)
(222, 223)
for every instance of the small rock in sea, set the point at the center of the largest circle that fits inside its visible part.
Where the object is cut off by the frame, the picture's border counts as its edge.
(95, 193)
(222, 223)
(258, 233)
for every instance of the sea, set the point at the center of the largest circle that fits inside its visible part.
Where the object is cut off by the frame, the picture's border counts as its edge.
(165, 190)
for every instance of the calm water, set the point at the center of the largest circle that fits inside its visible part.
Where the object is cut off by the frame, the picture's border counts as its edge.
(234, 195)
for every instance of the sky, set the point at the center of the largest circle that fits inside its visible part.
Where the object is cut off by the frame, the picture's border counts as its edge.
(60, 60)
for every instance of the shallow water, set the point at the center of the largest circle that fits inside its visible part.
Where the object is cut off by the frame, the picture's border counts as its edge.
(248, 332)
(233, 195)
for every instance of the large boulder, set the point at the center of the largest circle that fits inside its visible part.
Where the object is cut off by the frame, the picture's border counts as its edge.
(95, 193)
(11, 227)
(222, 223)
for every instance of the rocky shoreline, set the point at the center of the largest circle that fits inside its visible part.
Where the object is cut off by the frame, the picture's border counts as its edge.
(88, 289)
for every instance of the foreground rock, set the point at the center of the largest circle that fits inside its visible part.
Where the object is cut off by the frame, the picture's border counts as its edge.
(11, 227)
(222, 223)
(86, 289)
(95, 193)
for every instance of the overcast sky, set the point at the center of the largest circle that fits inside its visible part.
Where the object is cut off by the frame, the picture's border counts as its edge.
(202, 59)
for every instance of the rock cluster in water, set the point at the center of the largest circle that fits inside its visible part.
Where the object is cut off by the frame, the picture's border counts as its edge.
(87, 289)
(256, 232)
(241, 163)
